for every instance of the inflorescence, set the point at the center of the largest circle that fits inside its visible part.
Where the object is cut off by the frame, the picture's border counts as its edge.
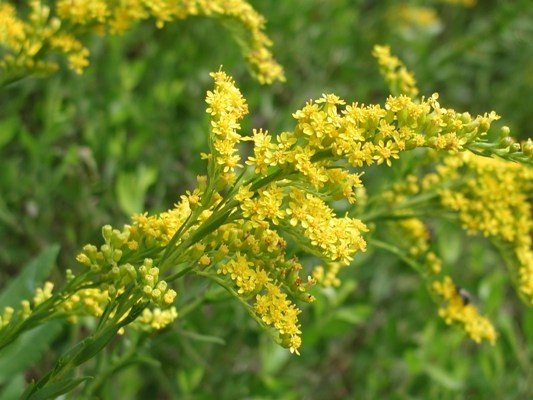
(235, 227)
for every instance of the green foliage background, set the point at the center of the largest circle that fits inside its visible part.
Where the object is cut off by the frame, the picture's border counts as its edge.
(80, 151)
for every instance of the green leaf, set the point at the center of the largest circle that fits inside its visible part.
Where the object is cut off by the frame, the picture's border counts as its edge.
(27, 350)
(189, 379)
(30, 278)
(55, 389)
(273, 357)
(195, 377)
(131, 188)
(353, 314)
(7, 129)
(443, 377)
(92, 346)
(13, 388)
(347, 288)
(450, 243)
(203, 338)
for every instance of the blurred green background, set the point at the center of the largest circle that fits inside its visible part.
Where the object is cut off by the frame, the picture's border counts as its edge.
(78, 152)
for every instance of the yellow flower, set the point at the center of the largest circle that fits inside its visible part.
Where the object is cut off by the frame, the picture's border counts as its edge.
(457, 310)
(28, 39)
(277, 311)
(400, 80)
(494, 200)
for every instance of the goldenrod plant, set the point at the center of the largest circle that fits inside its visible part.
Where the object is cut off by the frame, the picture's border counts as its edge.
(269, 203)
(30, 40)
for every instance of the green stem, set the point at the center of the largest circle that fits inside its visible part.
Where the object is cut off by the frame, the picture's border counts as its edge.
(89, 347)
(104, 375)
(397, 252)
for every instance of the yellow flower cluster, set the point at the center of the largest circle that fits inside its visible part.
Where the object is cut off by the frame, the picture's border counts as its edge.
(495, 199)
(247, 251)
(460, 310)
(307, 215)
(157, 229)
(86, 302)
(276, 310)
(113, 276)
(410, 233)
(298, 172)
(327, 276)
(253, 256)
(22, 41)
(43, 294)
(247, 279)
(93, 301)
(6, 316)
(48, 29)
(226, 107)
(362, 135)
(83, 12)
(491, 196)
(155, 319)
(77, 54)
(399, 79)
(256, 44)
(230, 229)
(337, 239)
(416, 234)
(465, 3)
(26, 307)
(413, 20)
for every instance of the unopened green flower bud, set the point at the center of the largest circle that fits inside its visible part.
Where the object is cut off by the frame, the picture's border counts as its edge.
(129, 270)
(55, 23)
(112, 290)
(504, 132)
(202, 182)
(90, 250)
(143, 270)
(117, 255)
(99, 258)
(149, 280)
(83, 259)
(26, 309)
(306, 297)
(7, 315)
(107, 232)
(69, 275)
(162, 286)
(106, 251)
(118, 239)
(154, 272)
(505, 142)
(115, 272)
(156, 294)
(514, 148)
(527, 147)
